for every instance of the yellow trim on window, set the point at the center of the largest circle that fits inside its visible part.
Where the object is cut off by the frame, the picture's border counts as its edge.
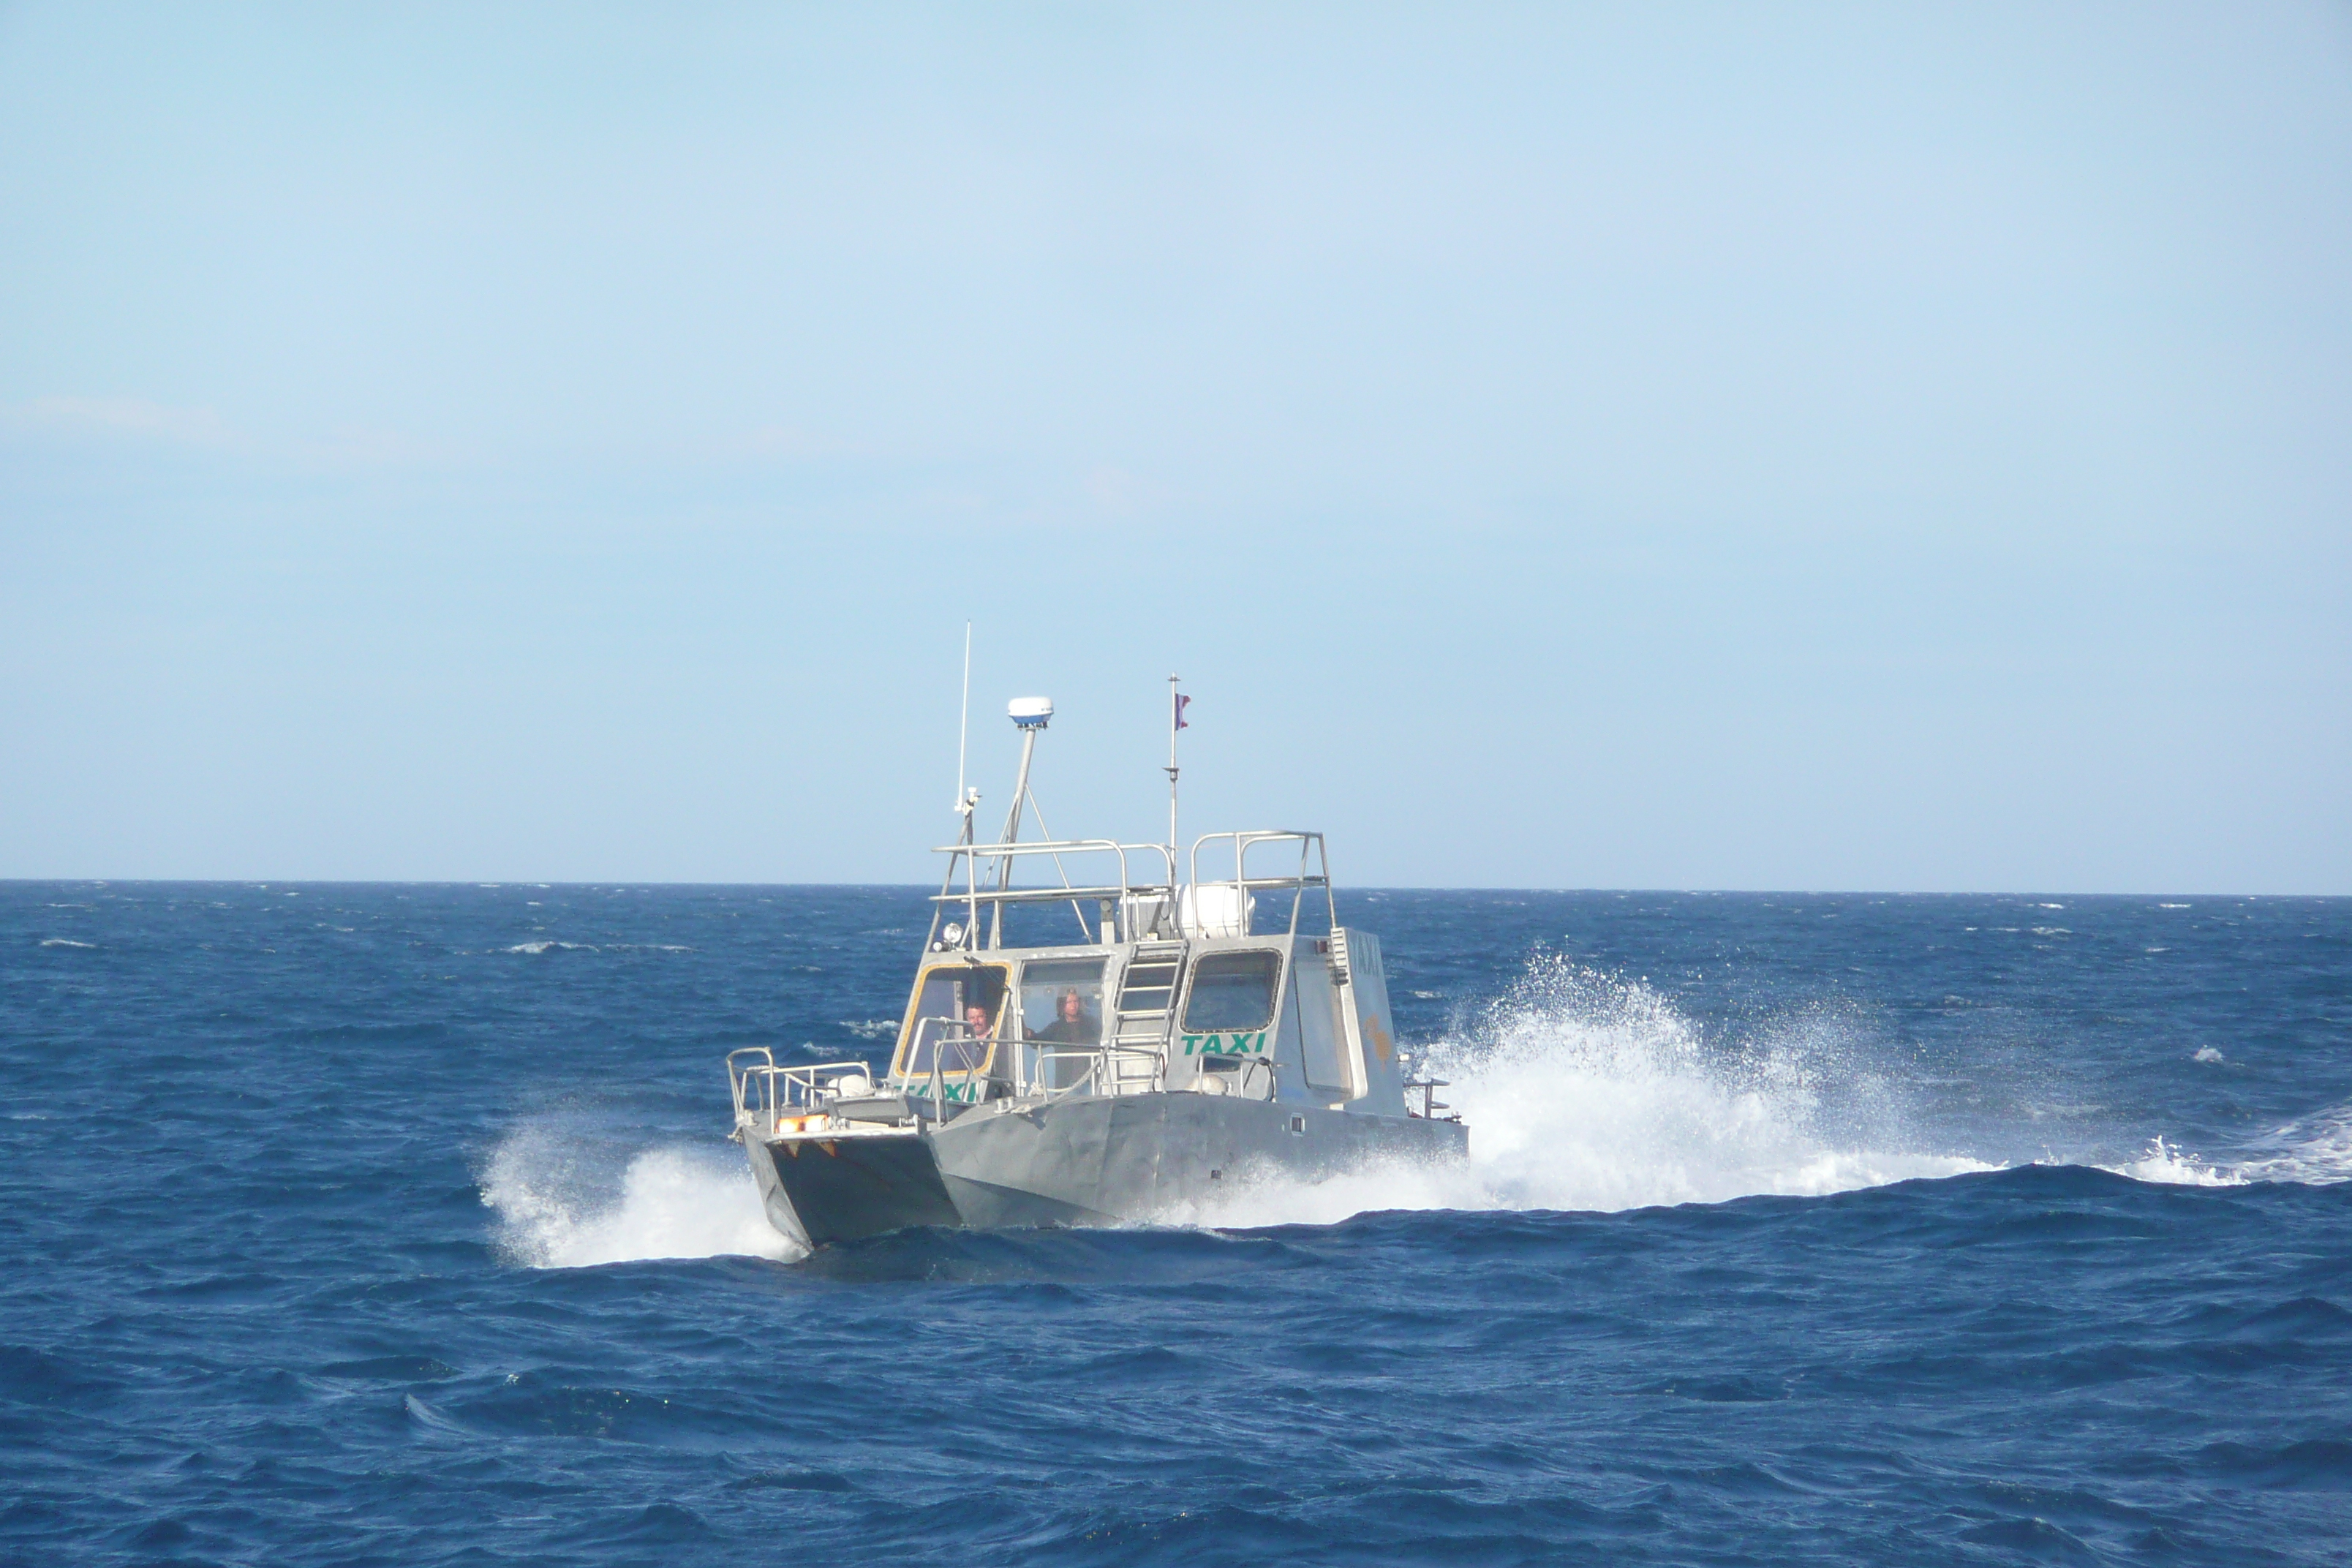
(898, 1060)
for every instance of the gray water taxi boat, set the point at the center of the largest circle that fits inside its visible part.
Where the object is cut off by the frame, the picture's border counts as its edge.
(1100, 1050)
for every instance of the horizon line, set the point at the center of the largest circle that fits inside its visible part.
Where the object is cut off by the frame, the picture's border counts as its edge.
(648, 883)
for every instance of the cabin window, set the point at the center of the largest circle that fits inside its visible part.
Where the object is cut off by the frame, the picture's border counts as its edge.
(1232, 991)
(1061, 1002)
(1062, 1010)
(953, 1023)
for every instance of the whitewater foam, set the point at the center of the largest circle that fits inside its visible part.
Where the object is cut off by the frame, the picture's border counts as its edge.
(1591, 1091)
(2174, 1167)
(1582, 1091)
(561, 1204)
(2316, 1150)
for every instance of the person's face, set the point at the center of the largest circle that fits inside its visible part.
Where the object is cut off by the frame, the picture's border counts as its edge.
(1070, 1006)
(976, 1018)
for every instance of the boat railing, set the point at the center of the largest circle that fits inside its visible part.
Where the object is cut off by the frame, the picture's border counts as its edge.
(1430, 1104)
(1296, 884)
(1128, 899)
(1255, 1080)
(1037, 1074)
(1002, 855)
(1104, 1072)
(765, 1091)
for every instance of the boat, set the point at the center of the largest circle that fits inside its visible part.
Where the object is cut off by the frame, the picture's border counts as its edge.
(1124, 1041)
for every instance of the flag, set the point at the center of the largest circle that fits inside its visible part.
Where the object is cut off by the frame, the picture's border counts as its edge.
(1182, 702)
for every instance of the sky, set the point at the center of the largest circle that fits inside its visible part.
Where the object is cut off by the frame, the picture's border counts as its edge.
(1889, 447)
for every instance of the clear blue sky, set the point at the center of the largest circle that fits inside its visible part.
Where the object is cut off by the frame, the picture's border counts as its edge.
(1719, 446)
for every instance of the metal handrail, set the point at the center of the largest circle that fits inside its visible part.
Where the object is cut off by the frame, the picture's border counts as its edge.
(1127, 887)
(1244, 839)
(1430, 1104)
(1058, 848)
(1046, 895)
(975, 898)
(1249, 1066)
(958, 1034)
(1098, 1058)
(782, 1090)
(739, 1079)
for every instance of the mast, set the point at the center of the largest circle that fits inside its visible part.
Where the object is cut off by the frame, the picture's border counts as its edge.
(1011, 834)
(1030, 715)
(1175, 722)
(966, 801)
(963, 722)
(1020, 798)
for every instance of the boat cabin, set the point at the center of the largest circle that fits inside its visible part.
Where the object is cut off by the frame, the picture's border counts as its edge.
(1099, 984)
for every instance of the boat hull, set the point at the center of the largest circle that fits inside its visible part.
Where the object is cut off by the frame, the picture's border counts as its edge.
(1090, 1161)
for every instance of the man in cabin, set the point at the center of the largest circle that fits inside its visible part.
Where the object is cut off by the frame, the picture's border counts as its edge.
(979, 1027)
(1071, 1027)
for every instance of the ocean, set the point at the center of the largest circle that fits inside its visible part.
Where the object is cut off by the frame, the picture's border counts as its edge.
(399, 1225)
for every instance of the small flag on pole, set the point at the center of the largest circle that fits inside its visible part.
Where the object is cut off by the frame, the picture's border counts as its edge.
(1182, 702)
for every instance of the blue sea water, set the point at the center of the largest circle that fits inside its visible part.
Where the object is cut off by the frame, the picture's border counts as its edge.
(351, 1224)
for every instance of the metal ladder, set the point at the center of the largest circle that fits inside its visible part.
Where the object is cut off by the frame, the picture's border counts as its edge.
(1146, 1015)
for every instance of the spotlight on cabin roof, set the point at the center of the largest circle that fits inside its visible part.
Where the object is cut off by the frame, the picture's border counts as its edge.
(1030, 712)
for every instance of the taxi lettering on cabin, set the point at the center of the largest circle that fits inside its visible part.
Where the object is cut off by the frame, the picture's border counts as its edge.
(1247, 1043)
(959, 1092)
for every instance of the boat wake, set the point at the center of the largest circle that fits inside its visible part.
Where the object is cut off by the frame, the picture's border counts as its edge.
(563, 1202)
(1582, 1091)
(1591, 1091)
(1588, 1092)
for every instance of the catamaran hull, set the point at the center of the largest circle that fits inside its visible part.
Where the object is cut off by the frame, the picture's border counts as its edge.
(1098, 1161)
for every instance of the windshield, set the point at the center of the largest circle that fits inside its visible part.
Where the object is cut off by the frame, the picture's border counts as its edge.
(953, 1023)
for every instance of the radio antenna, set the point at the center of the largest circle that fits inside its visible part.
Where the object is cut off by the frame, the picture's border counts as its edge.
(1175, 721)
(963, 723)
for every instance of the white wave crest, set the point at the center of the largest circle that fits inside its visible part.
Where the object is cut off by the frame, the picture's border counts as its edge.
(1588, 1092)
(2171, 1164)
(65, 941)
(2316, 1150)
(539, 947)
(560, 1207)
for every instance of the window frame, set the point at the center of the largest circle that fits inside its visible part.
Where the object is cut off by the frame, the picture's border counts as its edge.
(1185, 1024)
(1018, 993)
(902, 1060)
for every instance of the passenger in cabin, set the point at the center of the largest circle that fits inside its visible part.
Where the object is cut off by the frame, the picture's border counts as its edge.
(966, 1054)
(1071, 1027)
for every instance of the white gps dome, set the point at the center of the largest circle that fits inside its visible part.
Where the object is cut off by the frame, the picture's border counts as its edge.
(1030, 712)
